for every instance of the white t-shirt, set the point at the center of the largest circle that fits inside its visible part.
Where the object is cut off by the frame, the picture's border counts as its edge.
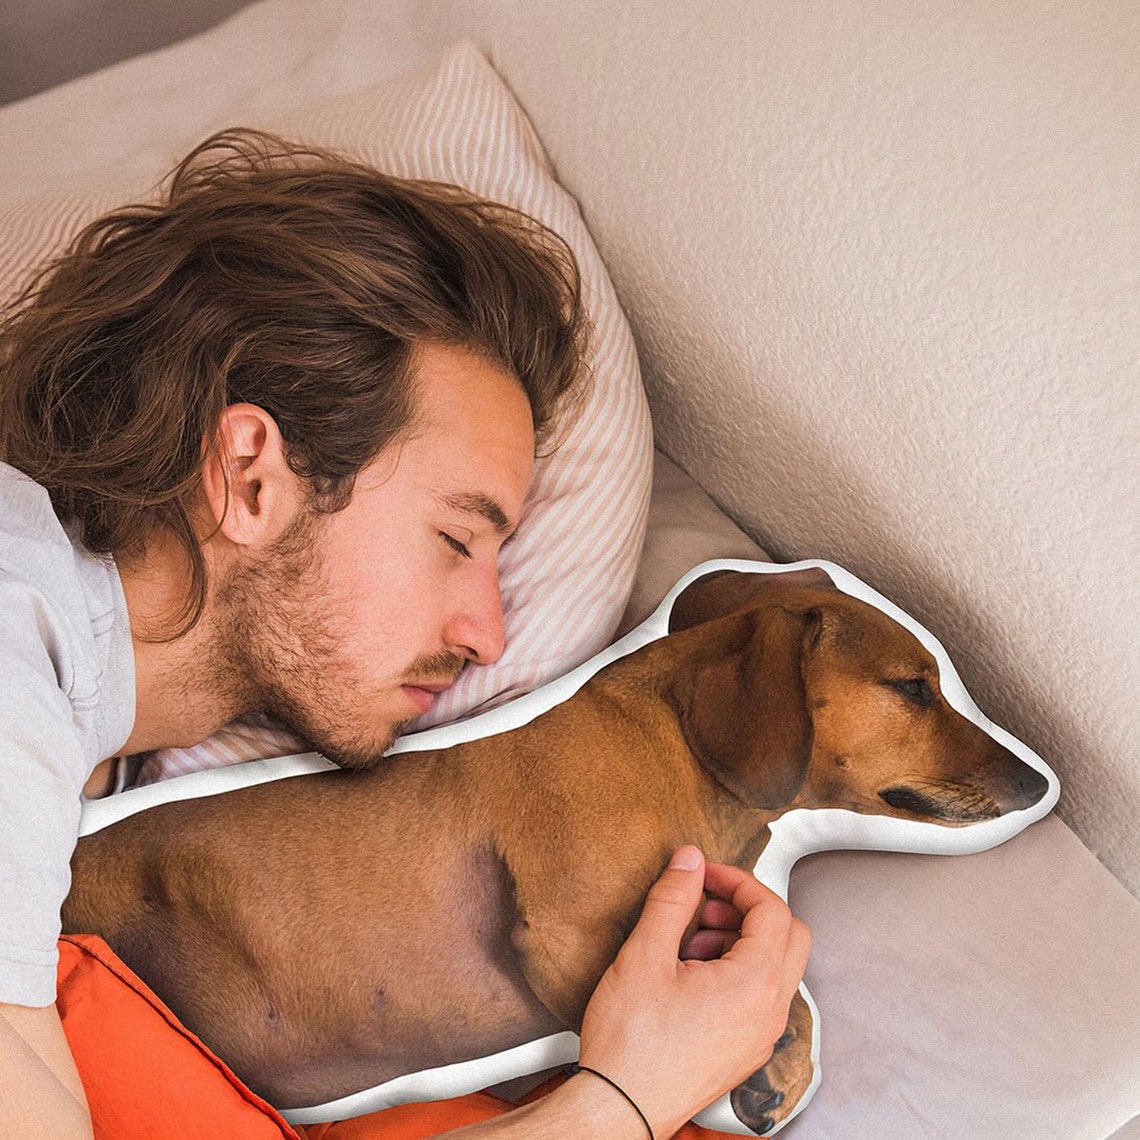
(67, 702)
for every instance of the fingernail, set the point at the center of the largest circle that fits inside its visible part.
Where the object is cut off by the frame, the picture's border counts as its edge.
(687, 858)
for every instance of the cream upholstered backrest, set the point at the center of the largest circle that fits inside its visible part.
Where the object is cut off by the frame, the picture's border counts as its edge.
(880, 262)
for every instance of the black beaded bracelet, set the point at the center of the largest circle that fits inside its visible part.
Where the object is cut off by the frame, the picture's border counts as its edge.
(614, 1085)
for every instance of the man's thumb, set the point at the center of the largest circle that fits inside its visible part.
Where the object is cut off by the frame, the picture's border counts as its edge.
(672, 901)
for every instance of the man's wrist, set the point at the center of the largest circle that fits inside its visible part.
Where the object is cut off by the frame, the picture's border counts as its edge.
(582, 1107)
(611, 1083)
(596, 1109)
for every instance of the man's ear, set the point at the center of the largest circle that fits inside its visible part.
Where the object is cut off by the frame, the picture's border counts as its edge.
(251, 493)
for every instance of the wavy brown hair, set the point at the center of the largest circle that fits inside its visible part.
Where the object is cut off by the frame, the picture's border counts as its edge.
(282, 276)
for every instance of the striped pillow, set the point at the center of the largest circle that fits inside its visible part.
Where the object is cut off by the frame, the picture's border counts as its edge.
(568, 575)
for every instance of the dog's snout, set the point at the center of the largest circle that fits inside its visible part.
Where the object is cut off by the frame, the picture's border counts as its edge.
(1001, 784)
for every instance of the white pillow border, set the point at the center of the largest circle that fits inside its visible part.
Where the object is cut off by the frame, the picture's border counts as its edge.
(794, 835)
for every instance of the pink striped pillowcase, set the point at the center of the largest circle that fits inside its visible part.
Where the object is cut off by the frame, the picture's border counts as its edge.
(568, 575)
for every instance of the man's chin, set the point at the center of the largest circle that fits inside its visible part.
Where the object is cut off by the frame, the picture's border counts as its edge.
(357, 756)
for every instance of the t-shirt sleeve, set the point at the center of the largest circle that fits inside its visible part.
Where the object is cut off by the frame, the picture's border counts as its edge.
(42, 771)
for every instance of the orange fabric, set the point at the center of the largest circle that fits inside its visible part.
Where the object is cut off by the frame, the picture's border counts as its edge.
(145, 1075)
(149, 1078)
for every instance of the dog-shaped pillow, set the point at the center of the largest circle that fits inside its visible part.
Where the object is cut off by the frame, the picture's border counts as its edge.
(812, 712)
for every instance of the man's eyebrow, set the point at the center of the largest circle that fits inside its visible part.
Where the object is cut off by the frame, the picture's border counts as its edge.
(474, 503)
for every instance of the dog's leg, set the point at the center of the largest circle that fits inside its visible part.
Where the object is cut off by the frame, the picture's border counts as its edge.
(563, 960)
(771, 1094)
(571, 922)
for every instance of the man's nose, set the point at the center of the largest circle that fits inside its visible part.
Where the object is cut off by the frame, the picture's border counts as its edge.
(475, 627)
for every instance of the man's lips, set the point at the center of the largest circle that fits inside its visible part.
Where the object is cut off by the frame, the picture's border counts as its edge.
(423, 693)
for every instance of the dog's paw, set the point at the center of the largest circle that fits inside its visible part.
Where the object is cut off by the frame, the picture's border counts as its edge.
(771, 1094)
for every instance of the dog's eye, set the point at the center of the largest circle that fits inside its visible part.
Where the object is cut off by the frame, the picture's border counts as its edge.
(917, 691)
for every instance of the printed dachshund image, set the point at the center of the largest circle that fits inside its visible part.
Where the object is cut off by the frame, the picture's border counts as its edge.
(326, 933)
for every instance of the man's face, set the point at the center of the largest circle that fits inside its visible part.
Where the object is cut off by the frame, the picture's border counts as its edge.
(350, 625)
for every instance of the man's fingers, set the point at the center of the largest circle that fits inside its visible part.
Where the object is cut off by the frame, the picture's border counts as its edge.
(735, 886)
(718, 930)
(771, 937)
(764, 913)
(671, 903)
(766, 923)
(742, 920)
(706, 945)
(716, 914)
(799, 949)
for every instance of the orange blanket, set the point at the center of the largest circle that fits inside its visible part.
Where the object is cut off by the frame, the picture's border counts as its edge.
(148, 1078)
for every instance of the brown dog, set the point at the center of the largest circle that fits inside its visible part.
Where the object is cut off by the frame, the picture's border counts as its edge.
(327, 933)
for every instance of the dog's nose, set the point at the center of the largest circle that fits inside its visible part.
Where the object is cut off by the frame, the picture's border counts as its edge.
(1012, 784)
(1031, 786)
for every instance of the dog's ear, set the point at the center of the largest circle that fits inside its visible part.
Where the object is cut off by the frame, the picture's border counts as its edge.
(743, 706)
(725, 591)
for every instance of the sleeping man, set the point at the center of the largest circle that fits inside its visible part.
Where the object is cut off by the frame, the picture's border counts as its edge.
(262, 443)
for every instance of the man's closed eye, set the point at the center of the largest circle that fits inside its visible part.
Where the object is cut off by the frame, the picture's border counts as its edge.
(455, 544)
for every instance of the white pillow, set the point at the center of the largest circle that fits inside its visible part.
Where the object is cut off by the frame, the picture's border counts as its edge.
(568, 575)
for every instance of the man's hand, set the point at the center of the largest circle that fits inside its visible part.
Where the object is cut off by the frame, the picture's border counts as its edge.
(675, 1033)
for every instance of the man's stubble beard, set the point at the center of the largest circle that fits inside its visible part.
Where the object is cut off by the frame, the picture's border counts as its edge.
(278, 650)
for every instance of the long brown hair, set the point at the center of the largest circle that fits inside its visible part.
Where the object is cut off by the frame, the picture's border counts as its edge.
(282, 276)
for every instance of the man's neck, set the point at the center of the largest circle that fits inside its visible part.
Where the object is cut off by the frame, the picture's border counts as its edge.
(181, 696)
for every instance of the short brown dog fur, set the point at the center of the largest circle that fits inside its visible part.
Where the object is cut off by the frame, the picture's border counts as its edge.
(326, 933)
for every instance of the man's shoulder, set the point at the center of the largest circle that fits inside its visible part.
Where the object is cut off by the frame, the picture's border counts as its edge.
(27, 519)
(64, 607)
(40, 561)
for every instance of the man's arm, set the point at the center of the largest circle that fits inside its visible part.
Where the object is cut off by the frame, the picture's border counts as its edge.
(40, 1091)
(583, 1107)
